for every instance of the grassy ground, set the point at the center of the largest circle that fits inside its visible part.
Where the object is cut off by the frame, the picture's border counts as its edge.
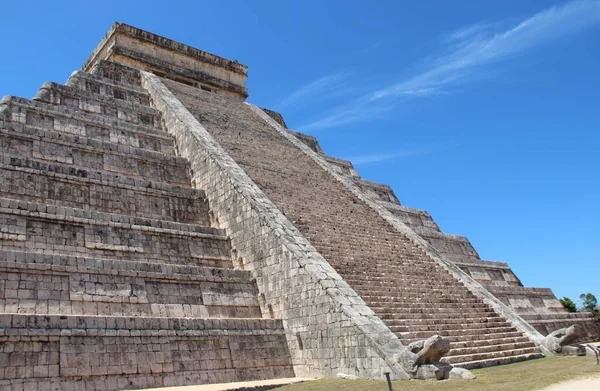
(528, 375)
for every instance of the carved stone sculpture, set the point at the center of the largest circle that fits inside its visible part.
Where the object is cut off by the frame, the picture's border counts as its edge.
(422, 360)
(559, 341)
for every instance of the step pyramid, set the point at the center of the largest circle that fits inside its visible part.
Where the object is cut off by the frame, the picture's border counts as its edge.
(158, 230)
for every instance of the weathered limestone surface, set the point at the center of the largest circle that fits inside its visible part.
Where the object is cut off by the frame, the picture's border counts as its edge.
(143, 50)
(111, 276)
(559, 341)
(423, 360)
(414, 295)
(329, 328)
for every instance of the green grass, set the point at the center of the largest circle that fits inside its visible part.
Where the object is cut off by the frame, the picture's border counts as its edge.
(528, 375)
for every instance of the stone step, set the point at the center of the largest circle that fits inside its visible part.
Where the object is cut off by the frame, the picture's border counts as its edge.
(400, 318)
(397, 275)
(451, 322)
(458, 333)
(410, 216)
(99, 191)
(488, 339)
(107, 87)
(484, 338)
(80, 232)
(124, 267)
(378, 270)
(424, 302)
(385, 307)
(88, 102)
(72, 121)
(117, 73)
(35, 143)
(46, 288)
(484, 359)
(466, 340)
(378, 191)
(489, 348)
(484, 363)
(445, 325)
(108, 352)
(574, 316)
(455, 307)
(416, 277)
(399, 294)
(448, 306)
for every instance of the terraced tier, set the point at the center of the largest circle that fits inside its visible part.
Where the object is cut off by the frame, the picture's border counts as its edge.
(110, 352)
(111, 276)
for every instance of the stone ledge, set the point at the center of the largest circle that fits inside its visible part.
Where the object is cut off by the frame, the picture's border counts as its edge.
(22, 324)
(179, 74)
(429, 233)
(52, 93)
(166, 43)
(31, 261)
(403, 208)
(482, 263)
(519, 290)
(80, 174)
(31, 132)
(85, 216)
(77, 76)
(72, 114)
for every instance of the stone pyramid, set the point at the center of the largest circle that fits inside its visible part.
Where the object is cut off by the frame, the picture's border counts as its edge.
(158, 230)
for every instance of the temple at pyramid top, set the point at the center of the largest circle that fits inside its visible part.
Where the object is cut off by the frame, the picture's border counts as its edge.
(130, 46)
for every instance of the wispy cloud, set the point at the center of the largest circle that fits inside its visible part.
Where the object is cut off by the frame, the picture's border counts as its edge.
(479, 45)
(347, 114)
(385, 156)
(463, 57)
(327, 87)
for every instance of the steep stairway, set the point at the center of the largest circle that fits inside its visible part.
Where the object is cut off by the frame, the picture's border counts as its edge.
(408, 290)
(538, 306)
(111, 276)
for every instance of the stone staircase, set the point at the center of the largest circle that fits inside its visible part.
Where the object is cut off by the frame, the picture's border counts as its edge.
(409, 291)
(111, 275)
(538, 306)
(479, 337)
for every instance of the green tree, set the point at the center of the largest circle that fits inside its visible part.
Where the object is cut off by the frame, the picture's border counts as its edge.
(589, 303)
(568, 304)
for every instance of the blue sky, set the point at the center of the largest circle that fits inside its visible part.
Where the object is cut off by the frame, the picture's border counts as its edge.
(485, 114)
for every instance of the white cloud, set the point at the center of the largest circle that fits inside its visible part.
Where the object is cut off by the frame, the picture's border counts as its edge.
(384, 156)
(478, 45)
(324, 88)
(465, 53)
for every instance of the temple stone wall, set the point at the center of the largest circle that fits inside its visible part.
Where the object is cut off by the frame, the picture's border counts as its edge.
(143, 50)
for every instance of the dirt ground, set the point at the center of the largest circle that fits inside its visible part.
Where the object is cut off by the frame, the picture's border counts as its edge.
(590, 384)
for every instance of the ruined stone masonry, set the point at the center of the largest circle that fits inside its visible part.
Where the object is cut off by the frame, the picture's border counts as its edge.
(158, 230)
